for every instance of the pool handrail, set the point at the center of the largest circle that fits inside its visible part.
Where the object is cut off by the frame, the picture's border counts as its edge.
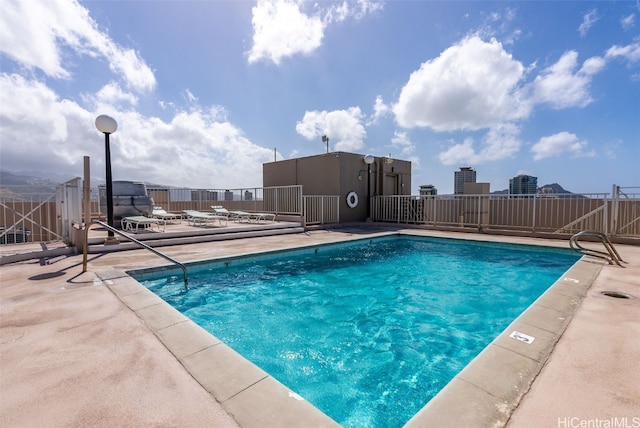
(611, 256)
(130, 238)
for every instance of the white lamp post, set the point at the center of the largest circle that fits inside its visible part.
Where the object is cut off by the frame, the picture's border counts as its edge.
(108, 125)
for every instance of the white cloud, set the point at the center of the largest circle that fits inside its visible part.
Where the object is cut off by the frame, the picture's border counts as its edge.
(628, 22)
(500, 25)
(499, 143)
(29, 124)
(462, 153)
(629, 52)
(281, 30)
(478, 85)
(112, 94)
(471, 85)
(612, 148)
(561, 85)
(588, 20)
(401, 141)
(35, 34)
(343, 127)
(358, 10)
(380, 110)
(190, 97)
(195, 148)
(557, 144)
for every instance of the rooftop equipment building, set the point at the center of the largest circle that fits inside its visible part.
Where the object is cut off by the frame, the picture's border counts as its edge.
(343, 174)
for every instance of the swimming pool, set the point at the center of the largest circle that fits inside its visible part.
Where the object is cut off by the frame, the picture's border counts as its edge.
(367, 344)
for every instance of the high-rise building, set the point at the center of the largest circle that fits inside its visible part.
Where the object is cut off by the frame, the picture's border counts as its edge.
(523, 185)
(465, 175)
(428, 190)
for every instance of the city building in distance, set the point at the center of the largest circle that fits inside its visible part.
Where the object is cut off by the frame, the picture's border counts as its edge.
(465, 175)
(523, 185)
(428, 190)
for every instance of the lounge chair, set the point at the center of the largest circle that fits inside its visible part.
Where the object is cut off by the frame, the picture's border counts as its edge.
(134, 223)
(160, 213)
(236, 216)
(263, 217)
(199, 218)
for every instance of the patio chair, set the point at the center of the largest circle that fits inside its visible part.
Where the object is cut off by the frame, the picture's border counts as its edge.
(160, 213)
(236, 216)
(199, 218)
(263, 217)
(135, 223)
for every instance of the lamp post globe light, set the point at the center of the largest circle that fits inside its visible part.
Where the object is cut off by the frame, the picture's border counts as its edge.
(108, 125)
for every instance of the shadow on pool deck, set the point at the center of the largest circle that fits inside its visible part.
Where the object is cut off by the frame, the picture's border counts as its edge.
(73, 354)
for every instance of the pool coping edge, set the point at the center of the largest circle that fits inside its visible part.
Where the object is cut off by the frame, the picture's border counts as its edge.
(473, 398)
(490, 387)
(238, 384)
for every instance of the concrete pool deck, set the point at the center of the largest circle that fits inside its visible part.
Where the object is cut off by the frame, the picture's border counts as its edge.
(74, 352)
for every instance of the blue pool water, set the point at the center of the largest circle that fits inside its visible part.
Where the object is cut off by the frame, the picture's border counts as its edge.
(368, 332)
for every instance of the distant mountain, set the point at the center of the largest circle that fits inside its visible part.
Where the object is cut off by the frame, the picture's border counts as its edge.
(552, 188)
(14, 187)
(14, 179)
(54, 176)
(547, 189)
(500, 192)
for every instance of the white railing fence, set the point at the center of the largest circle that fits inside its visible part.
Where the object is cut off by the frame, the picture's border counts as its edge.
(321, 209)
(282, 200)
(625, 207)
(27, 215)
(37, 214)
(549, 213)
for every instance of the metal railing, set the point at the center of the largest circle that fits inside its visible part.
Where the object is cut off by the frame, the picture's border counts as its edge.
(130, 238)
(28, 216)
(611, 255)
(625, 218)
(321, 209)
(283, 200)
(549, 213)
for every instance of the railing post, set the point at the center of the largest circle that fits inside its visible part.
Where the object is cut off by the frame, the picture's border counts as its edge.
(615, 198)
(435, 211)
(533, 219)
(479, 214)
(605, 219)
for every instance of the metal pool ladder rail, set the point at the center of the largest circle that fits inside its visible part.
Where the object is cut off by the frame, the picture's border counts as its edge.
(611, 256)
(130, 238)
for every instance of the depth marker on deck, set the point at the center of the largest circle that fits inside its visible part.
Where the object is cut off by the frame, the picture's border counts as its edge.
(522, 337)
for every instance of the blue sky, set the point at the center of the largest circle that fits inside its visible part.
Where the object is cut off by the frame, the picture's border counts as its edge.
(204, 92)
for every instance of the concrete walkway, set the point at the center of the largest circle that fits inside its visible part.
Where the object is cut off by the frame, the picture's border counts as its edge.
(72, 354)
(593, 376)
